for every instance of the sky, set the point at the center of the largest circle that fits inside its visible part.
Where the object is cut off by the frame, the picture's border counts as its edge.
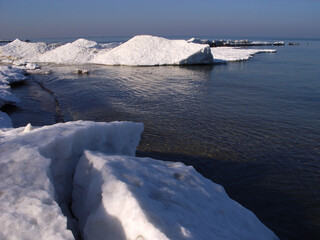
(94, 18)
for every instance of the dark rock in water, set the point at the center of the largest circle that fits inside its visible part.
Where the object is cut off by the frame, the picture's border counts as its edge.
(81, 71)
(5, 41)
(292, 44)
(234, 43)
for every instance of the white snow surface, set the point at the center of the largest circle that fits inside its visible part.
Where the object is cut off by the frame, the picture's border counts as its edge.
(23, 50)
(143, 198)
(143, 50)
(113, 194)
(36, 167)
(231, 54)
(79, 51)
(148, 50)
(9, 75)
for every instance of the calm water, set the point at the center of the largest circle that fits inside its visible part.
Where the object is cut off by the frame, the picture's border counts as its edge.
(252, 126)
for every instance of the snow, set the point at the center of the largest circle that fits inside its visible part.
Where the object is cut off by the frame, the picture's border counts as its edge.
(23, 50)
(9, 75)
(143, 198)
(230, 54)
(148, 50)
(79, 51)
(143, 50)
(91, 166)
(36, 167)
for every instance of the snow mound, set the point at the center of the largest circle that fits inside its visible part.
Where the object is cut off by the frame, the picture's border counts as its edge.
(23, 50)
(36, 168)
(143, 198)
(150, 51)
(79, 51)
(230, 54)
(9, 75)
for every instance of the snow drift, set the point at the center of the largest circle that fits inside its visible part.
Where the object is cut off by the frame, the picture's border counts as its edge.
(23, 50)
(79, 51)
(113, 194)
(149, 51)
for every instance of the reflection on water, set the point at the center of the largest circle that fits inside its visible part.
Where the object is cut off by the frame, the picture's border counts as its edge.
(251, 126)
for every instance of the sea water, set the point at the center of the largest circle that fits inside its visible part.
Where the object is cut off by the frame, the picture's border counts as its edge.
(252, 126)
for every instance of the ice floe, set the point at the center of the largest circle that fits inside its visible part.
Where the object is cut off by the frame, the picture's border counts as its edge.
(230, 54)
(91, 168)
(147, 50)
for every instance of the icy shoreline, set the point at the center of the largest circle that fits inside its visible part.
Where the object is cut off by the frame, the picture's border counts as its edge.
(84, 177)
(141, 50)
(91, 168)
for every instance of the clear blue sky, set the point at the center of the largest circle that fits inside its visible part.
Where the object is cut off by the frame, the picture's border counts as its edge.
(92, 18)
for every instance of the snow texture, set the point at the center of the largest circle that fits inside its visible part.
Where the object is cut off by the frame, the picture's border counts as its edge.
(79, 51)
(141, 50)
(36, 167)
(143, 198)
(8, 75)
(230, 54)
(113, 194)
(149, 51)
(23, 50)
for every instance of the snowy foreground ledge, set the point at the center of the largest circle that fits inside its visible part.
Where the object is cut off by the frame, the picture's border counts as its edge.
(114, 195)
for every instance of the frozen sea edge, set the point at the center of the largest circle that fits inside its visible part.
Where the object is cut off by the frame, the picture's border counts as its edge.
(85, 175)
(91, 168)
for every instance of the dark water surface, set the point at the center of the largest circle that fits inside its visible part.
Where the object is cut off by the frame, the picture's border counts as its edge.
(252, 126)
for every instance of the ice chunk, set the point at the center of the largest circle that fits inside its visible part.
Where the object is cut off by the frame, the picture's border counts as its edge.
(149, 50)
(36, 169)
(231, 54)
(123, 197)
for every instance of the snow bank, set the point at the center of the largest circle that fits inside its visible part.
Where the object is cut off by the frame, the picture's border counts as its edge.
(230, 54)
(9, 75)
(113, 194)
(149, 51)
(36, 167)
(79, 51)
(143, 198)
(23, 50)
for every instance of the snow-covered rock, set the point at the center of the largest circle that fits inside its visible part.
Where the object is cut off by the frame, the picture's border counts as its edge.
(36, 167)
(79, 51)
(23, 50)
(143, 198)
(230, 54)
(149, 51)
